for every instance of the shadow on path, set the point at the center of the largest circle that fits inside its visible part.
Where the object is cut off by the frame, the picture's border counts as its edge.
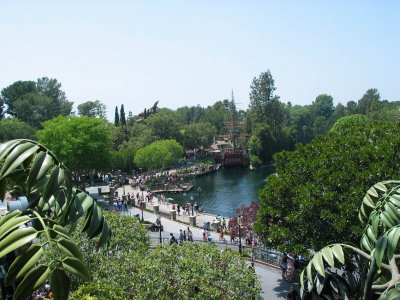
(282, 289)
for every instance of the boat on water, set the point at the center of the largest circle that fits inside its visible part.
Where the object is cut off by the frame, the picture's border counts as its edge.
(227, 155)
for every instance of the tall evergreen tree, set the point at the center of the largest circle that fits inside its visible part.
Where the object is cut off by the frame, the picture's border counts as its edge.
(122, 116)
(116, 118)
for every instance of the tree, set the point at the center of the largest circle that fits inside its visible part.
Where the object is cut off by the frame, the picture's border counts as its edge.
(116, 118)
(264, 107)
(191, 271)
(351, 107)
(51, 88)
(164, 125)
(370, 270)
(33, 109)
(11, 128)
(85, 145)
(35, 102)
(122, 116)
(46, 249)
(262, 145)
(93, 109)
(323, 106)
(198, 135)
(1, 108)
(310, 201)
(369, 102)
(14, 92)
(160, 154)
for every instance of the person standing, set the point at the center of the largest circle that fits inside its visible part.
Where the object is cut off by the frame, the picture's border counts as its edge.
(172, 239)
(283, 265)
(190, 235)
(180, 237)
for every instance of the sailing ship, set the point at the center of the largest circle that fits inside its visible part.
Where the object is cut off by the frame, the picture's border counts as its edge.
(228, 149)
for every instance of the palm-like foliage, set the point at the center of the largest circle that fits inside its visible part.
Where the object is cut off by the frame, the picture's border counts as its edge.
(370, 271)
(46, 249)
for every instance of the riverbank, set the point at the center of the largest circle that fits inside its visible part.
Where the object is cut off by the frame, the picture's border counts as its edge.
(165, 208)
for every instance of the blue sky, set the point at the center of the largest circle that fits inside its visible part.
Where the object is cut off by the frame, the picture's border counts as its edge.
(196, 52)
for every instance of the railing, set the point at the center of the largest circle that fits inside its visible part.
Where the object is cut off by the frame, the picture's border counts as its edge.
(255, 253)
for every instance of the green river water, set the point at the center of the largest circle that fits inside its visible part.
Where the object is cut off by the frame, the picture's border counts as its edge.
(224, 191)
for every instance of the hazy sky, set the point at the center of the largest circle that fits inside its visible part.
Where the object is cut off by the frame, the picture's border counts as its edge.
(195, 52)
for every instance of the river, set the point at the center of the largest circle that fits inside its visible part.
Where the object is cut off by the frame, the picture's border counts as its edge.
(224, 191)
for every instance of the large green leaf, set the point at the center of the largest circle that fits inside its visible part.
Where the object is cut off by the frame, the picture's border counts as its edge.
(82, 202)
(35, 168)
(318, 264)
(69, 248)
(24, 262)
(16, 155)
(52, 184)
(393, 239)
(76, 267)
(9, 216)
(328, 256)
(13, 224)
(16, 239)
(380, 250)
(23, 152)
(45, 166)
(96, 221)
(33, 280)
(60, 283)
(6, 148)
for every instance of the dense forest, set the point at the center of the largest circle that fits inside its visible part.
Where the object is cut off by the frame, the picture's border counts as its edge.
(267, 126)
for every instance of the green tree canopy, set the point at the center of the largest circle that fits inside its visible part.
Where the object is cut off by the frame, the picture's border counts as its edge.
(159, 154)
(192, 271)
(83, 143)
(312, 199)
(92, 109)
(11, 129)
(198, 135)
(164, 124)
(35, 102)
(122, 116)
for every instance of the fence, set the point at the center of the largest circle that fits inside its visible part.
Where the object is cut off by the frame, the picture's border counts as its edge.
(254, 253)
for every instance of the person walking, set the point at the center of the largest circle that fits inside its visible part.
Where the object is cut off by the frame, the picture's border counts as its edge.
(180, 237)
(283, 265)
(172, 239)
(190, 235)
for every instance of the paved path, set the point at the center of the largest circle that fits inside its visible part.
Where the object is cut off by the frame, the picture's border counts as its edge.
(273, 287)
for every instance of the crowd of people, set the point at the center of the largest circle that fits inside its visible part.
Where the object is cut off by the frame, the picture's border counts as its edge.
(43, 292)
(184, 236)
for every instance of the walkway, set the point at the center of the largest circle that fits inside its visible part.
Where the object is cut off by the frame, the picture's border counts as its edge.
(272, 285)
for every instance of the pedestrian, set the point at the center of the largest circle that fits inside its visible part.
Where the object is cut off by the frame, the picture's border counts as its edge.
(180, 237)
(221, 235)
(224, 223)
(179, 209)
(190, 235)
(204, 237)
(125, 206)
(283, 265)
(172, 239)
(119, 204)
(184, 235)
